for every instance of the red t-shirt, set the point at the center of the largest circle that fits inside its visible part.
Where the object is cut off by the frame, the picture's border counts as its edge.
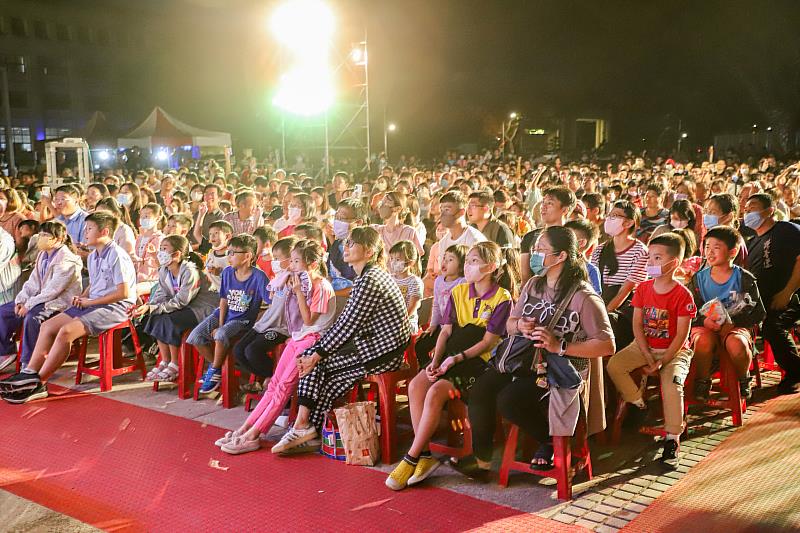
(660, 312)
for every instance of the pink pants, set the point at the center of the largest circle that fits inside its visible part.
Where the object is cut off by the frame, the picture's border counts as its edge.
(281, 386)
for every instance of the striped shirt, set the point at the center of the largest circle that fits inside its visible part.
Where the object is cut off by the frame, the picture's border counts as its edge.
(632, 264)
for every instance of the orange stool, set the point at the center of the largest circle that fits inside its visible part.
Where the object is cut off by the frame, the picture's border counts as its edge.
(652, 384)
(563, 470)
(112, 362)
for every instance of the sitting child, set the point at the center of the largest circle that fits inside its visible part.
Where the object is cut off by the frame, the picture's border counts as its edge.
(270, 330)
(265, 237)
(586, 233)
(309, 311)
(53, 283)
(178, 224)
(103, 305)
(663, 311)
(404, 267)
(178, 303)
(219, 235)
(736, 291)
(242, 289)
(452, 274)
(145, 258)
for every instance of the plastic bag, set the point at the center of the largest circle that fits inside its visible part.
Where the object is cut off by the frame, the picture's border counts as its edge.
(715, 311)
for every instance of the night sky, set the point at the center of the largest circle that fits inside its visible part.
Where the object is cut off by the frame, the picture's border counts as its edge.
(448, 71)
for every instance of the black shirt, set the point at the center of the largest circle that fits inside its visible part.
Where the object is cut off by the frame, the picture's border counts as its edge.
(771, 258)
(529, 240)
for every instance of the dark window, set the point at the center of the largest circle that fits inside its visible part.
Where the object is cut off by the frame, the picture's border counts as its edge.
(57, 101)
(40, 30)
(18, 27)
(62, 32)
(17, 99)
(15, 64)
(84, 37)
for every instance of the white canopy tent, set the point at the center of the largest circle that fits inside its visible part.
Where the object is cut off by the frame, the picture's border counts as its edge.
(160, 129)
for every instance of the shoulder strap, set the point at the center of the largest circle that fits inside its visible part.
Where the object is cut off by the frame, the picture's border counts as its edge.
(562, 306)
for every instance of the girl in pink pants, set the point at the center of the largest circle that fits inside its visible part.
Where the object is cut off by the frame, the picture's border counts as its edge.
(309, 311)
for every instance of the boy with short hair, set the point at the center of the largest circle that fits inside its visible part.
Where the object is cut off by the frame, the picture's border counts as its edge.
(219, 234)
(663, 311)
(265, 238)
(178, 224)
(103, 305)
(242, 289)
(737, 292)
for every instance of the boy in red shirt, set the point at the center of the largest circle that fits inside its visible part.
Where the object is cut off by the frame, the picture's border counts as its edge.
(663, 311)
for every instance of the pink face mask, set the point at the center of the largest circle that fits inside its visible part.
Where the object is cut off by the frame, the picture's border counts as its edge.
(613, 226)
(473, 274)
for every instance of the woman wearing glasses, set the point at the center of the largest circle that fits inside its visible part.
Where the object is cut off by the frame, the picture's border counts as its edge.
(622, 262)
(53, 283)
(368, 337)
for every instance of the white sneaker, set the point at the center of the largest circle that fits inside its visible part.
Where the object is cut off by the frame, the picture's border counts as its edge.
(293, 438)
(228, 437)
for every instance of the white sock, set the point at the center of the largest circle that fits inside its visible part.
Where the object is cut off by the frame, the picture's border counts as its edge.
(173, 365)
(676, 438)
(640, 403)
(27, 370)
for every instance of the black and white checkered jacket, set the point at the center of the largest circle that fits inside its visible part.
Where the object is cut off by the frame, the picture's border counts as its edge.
(375, 318)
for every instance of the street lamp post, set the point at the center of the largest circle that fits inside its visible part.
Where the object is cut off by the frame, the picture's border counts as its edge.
(391, 127)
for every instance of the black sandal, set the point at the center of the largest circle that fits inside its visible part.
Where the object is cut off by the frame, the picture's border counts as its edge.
(546, 453)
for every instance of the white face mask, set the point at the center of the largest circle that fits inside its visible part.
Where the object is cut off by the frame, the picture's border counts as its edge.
(678, 223)
(276, 266)
(147, 223)
(164, 258)
(197, 196)
(681, 196)
(295, 213)
(341, 229)
(397, 266)
(123, 199)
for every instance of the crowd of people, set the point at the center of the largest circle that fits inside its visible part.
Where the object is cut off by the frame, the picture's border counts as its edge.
(541, 280)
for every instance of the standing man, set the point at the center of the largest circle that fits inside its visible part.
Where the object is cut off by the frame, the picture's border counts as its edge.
(208, 212)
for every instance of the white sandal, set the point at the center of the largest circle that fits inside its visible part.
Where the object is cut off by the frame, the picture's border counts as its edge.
(151, 376)
(168, 375)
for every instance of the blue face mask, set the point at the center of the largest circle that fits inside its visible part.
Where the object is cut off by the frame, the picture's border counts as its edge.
(537, 263)
(753, 220)
(444, 184)
(710, 220)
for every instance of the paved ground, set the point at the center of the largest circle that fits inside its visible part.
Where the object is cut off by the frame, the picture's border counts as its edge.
(626, 477)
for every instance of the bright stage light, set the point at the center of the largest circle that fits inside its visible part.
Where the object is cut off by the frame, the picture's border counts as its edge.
(307, 90)
(103, 156)
(162, 155)
(391, 127)
(358, 56)
(303, 25)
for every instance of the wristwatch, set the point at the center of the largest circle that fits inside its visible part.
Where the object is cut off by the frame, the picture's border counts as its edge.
(563, 349)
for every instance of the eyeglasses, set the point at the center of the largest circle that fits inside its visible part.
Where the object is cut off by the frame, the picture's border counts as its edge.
(349, 243)
(234, 252)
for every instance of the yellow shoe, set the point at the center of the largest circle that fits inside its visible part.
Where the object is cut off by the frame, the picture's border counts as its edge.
(398, 479)
(425, 468)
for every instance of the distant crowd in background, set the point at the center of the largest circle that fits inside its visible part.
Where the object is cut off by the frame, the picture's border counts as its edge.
(578, 269)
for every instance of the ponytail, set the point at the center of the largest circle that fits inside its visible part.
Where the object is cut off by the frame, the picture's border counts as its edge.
(508, 275)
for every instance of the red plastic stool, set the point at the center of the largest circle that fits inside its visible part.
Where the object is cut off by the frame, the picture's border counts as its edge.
(728, 383)
(111, 362)
(187, 359)
(229, 383)
(563, 470)
(387, 407)
(653, 383)
(459, 432)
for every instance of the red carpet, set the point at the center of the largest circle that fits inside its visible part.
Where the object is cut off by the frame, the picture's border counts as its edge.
(749, 483)
(121, 467)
